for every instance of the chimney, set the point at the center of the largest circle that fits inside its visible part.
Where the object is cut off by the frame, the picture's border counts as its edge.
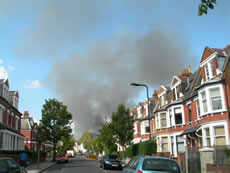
(26, 114)
(155, 93)
(185, 73)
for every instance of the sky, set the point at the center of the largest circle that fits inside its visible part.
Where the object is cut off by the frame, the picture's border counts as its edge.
(86, 53)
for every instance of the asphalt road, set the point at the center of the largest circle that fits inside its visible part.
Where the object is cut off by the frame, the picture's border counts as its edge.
(79, 165)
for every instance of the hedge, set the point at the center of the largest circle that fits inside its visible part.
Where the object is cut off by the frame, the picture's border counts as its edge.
(142, 148)
(32, 154)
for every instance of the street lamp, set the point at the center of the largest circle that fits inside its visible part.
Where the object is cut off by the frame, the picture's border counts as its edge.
(137, 84)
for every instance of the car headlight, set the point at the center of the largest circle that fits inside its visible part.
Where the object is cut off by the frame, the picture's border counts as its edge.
(107, 162)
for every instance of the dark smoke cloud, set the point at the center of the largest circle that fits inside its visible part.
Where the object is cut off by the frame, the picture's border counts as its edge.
(94, 83)
(97, 48)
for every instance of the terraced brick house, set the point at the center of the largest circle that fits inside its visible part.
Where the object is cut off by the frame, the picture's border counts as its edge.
(142, 125)
(29, 130)
(194, 110)
(209, 95)
(160, 115)
(10, 119)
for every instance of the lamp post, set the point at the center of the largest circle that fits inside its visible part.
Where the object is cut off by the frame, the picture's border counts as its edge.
(137, 84)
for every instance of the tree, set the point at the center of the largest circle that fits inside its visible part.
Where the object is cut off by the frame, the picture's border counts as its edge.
(68, 143)
(107, 138)
(87, 140)
(122, 126)
(205, 5)
(55, 122)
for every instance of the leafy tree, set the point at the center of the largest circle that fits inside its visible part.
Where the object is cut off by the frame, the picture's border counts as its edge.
(205, 5)
(68, 143)
(55, 122)
(122, 126)
(87, 140)
(98, 144)
(107, 138)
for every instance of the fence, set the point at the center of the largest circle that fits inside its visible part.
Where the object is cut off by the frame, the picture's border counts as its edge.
(208, 160)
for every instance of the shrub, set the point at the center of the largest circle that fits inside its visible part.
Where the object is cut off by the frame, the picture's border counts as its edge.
(142, 148)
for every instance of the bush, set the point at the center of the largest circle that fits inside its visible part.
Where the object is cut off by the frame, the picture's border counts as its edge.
(142, 148)
(32, 154)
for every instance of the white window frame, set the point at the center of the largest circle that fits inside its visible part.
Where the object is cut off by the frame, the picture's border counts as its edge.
(208, 100)
(144, 124)
(173, 115)
(211, 127)
(173, 140)
(197, 108)
(161, 119)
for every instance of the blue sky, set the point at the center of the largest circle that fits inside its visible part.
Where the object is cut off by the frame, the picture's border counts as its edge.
(86, 53)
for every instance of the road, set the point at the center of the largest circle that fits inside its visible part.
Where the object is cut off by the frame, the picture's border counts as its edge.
(81, 165)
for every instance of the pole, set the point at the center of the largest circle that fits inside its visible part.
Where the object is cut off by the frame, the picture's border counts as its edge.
(149, 119)
(149, 112)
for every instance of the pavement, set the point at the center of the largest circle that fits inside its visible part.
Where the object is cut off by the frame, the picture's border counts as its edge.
(42, 166)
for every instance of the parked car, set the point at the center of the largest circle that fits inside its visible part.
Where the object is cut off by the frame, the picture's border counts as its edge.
(8, 165)
(146, 164)
(110, 161)
(62, 158)
(79, 153)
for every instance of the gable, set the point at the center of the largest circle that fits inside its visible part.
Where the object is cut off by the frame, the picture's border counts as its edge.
(162, 89)
(6, 82)
(16, 94)
(175, 80)
(207, 52)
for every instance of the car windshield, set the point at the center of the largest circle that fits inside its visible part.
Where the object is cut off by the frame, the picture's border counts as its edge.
(111, 156)
(160, 165)
(61, 155)
(3, 165)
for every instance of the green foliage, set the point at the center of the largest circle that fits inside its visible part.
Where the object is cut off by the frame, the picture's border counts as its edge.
(55, 120)
(142, 148)
(122, 126)
(31, 154)
(205, 5)
(107, 139)
(87, 140)
(98, 144)
(68, 143)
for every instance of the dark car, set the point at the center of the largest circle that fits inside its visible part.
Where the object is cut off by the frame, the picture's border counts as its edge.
(8, 165)
(110, 161)
(62, 158)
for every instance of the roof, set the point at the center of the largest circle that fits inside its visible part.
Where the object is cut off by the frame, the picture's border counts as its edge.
(25, 124)
(190, 130)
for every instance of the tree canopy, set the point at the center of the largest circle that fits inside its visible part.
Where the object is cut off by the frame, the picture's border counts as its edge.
(122, 125)
(55, 122)
(205, 5)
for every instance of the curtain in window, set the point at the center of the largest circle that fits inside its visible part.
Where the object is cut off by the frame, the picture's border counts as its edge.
(207, 132)
(180, 144)
(163, 120)
(220, 135)
(164, 144)
(204, 102)
(215, 99)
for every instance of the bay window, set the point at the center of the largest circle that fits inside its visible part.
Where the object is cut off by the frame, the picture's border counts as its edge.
(215, 98)
(208, 140)
(220, 135)
(164, 144)
(197, 109)
(204, 101)
(163, 120)
(180, 144)
(178, 116)
(170, 117)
